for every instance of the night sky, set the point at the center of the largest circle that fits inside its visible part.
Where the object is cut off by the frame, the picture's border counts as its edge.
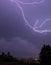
(16, 36)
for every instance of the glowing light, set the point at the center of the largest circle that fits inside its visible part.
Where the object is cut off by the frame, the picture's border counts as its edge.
(35, 28)
(30, 3)
(41, 31)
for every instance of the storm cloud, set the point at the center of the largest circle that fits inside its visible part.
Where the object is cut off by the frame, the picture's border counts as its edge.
(17, 37)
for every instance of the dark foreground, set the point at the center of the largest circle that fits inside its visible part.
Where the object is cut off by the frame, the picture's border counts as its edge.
(44, 58)
(15, 63)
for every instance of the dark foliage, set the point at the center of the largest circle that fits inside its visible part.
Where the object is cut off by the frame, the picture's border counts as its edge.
(44, 58)
(6, 57)
(45, 55)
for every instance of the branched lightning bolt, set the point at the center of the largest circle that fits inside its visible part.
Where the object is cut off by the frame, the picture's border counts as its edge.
(42, 31)
(37, 21)
(31, 3)
(45, 21)
(42, 25)
(35, 28)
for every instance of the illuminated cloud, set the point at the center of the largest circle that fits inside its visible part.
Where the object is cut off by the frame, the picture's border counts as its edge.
(36, 10)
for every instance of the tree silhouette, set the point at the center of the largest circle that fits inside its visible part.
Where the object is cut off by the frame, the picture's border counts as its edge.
(3, 54)
(45, 55)
(7, 57)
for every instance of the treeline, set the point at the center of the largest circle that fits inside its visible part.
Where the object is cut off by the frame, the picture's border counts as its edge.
(44, 58)
(45, 55)
(7, 57)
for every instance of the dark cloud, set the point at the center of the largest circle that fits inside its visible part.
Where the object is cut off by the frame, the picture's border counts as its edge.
(11, 23)
(18, 47)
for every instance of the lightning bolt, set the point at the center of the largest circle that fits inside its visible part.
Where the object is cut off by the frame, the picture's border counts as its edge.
(42, 31)
(35, 28)
(30, 3)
